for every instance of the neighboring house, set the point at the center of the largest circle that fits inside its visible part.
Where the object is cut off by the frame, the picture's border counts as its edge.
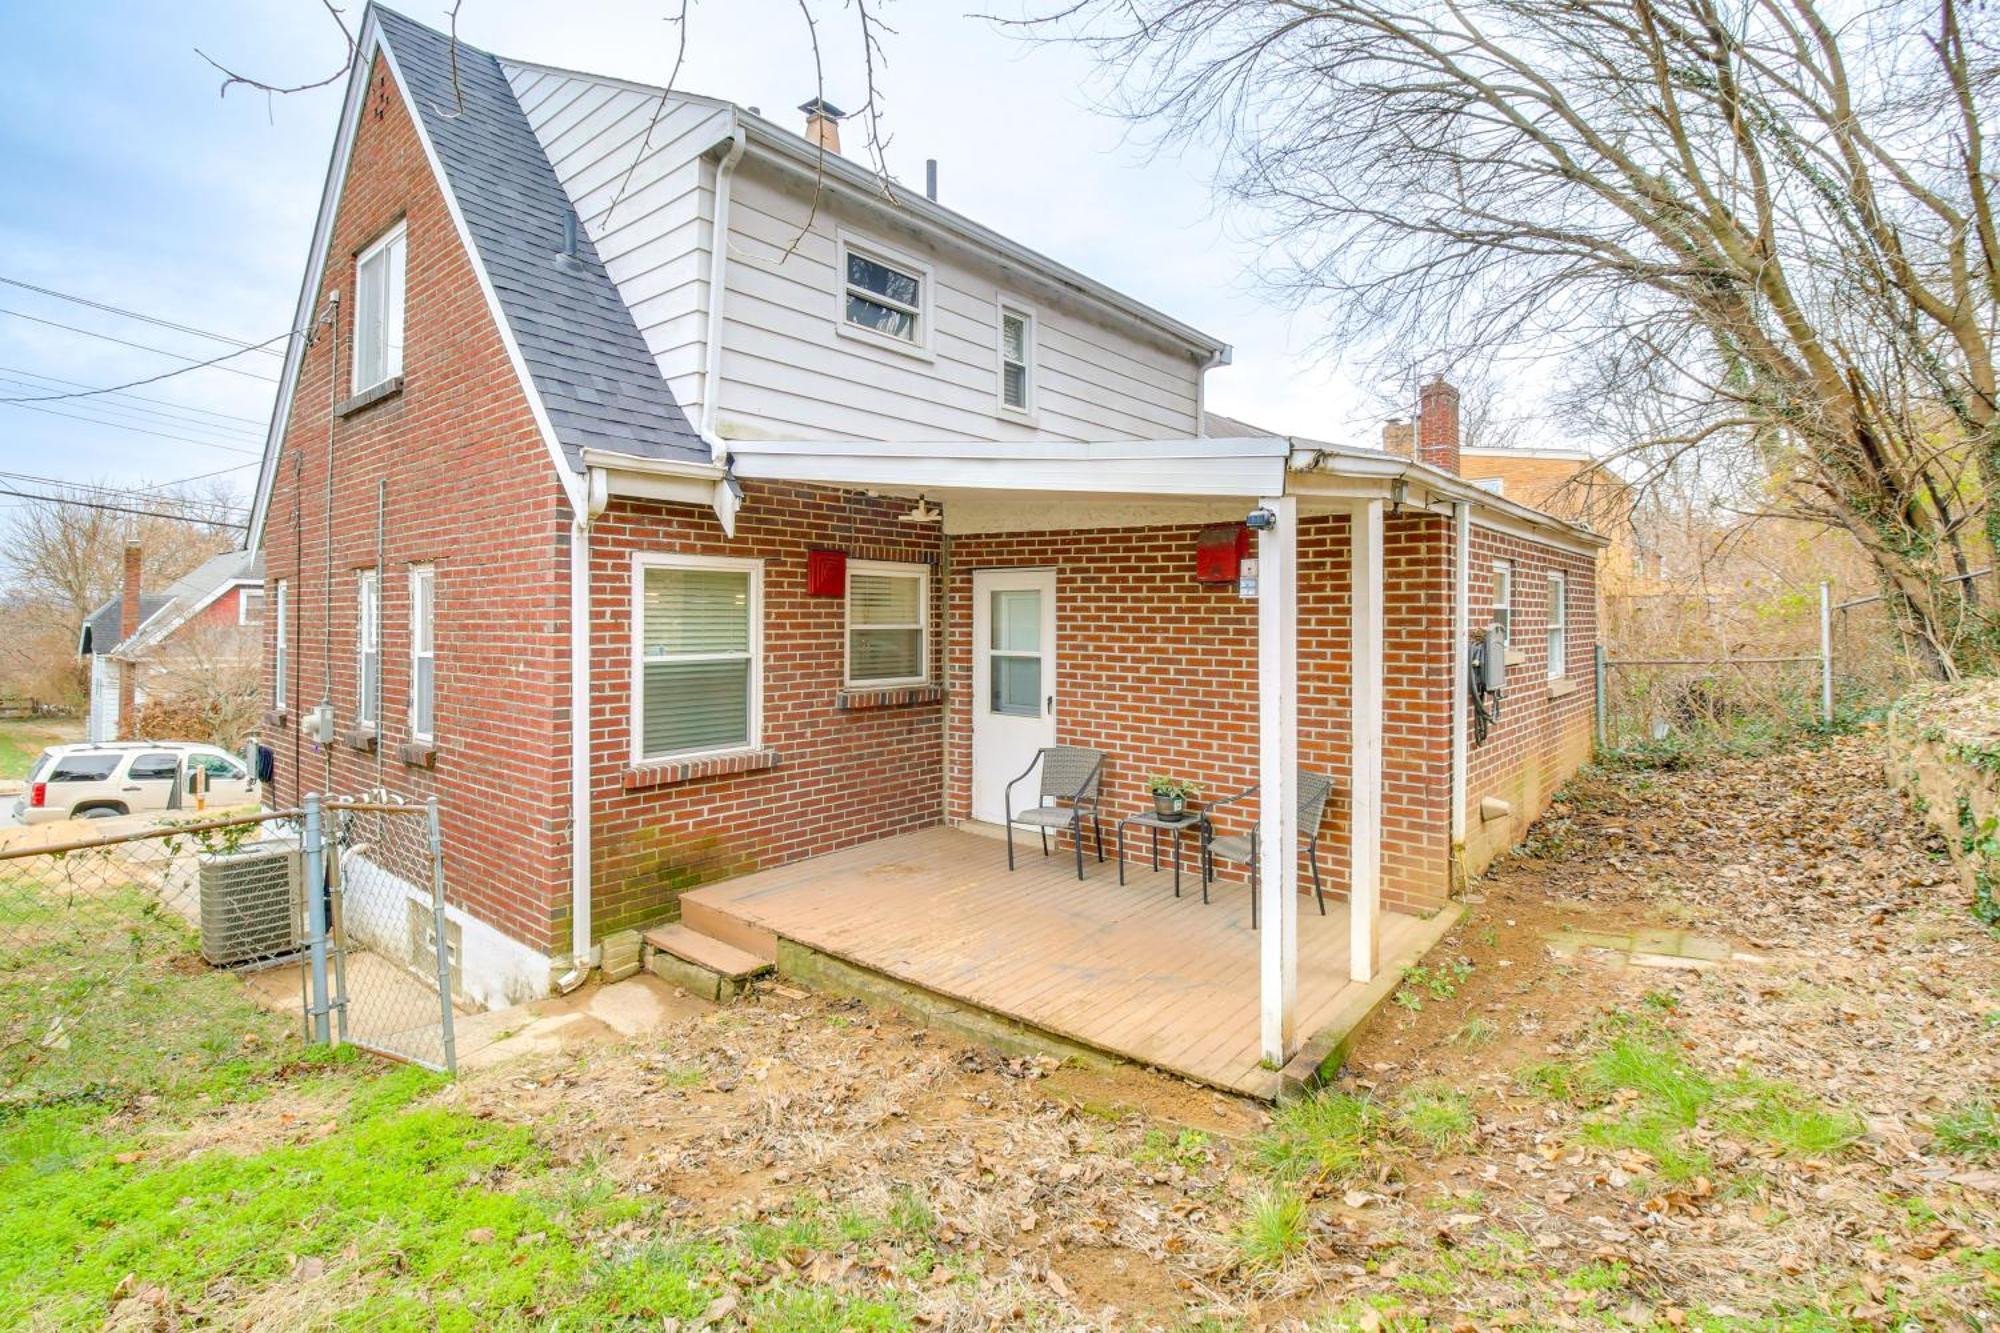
(137, 636)
(697, 507)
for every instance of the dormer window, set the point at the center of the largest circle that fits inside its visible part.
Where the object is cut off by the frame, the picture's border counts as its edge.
(884, 298)
(378, 310)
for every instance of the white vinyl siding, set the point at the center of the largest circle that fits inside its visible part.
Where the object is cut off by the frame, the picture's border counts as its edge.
(1017, 359)
(886, 616)
(281, 657)
(423, 653)
(697, 650)
(1503, 596)
(367, 644)
(790, 372)
(1558, 625)
(378, 310)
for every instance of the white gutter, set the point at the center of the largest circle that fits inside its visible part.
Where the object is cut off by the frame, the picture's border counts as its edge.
(1343, 461)
(579, 734)
(1456, 669)
(718, 286)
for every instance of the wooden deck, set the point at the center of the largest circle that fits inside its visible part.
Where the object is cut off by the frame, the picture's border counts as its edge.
(1128, 970)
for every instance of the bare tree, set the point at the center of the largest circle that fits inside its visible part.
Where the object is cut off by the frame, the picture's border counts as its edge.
(68, 553)
(1773, 219)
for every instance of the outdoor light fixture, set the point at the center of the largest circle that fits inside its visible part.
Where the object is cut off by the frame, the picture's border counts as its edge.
(1261, 520)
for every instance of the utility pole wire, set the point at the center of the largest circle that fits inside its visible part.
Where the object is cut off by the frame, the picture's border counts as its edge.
(215, 362)
(136, 430)
(128, 314)
(124, 413)
(259, 422)
(126, 509)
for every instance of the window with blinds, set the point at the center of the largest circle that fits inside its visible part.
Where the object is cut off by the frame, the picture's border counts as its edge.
(886, 607)
(1017, 359)
(423, 653)
(698, 638)
(367, 645)
(378, 310)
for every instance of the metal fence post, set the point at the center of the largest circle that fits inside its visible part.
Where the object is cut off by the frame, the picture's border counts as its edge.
(321, 1004)
(1598, 657)
(438, 930)
(1826, 652)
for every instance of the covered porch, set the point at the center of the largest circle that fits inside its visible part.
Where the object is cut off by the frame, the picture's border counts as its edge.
(935, 919)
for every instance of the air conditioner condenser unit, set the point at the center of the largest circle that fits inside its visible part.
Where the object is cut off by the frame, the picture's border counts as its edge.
(252, 905)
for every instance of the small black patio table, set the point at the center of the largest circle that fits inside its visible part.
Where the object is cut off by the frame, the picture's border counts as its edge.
(1188, 821)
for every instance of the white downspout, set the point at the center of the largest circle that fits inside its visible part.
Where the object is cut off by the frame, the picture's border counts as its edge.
(1455, 672)
(597, 490)
(718, 284)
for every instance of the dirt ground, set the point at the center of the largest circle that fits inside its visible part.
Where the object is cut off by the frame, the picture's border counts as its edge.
(1070, 1198)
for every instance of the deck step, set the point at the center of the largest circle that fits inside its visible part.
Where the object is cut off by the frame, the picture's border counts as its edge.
(698, 915)
(701, 964)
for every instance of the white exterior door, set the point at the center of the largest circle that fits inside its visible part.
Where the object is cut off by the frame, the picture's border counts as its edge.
(1013, 682)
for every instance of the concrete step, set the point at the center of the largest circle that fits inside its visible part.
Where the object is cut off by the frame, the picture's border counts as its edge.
(701, 964)
(714, 922)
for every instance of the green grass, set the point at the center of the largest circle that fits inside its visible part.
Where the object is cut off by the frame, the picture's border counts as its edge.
(1272, 1228)
(1189, 1148)
(22, 741)
(1646, 1096)
(1436, 1119)
(1970, 1129)
(1329, 1136)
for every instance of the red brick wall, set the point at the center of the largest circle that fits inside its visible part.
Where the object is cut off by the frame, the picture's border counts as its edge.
(468, 486)
(1544, 731)
(1161, 672)
(843, 774)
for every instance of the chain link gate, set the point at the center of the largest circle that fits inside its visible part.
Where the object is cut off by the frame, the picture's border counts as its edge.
(382, 957)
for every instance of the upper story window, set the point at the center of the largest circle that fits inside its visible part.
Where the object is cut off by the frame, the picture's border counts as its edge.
(1503, 596)
(1558, 625)
(1017, 358)
(367, 644)
(1491, 485)
(885, 624)
(885, 297)
(378, 310)
(698, 637)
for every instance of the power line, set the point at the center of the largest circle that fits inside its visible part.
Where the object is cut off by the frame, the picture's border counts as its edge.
(136, 430)
(258, 422)
(147, 347)
(125, 509)
(132, 314)
(150, 416)
(101, 489)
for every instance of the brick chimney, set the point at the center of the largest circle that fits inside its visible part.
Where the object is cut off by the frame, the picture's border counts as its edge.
(128, 625)
(1399, 437)
(823, 123)
(1437, 426)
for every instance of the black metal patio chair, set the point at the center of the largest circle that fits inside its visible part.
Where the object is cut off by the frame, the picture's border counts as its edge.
(1071, 777)
(1241, 848)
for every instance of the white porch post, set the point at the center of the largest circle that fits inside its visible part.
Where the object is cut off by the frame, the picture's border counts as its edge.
(1364, 876)
(1278, 775)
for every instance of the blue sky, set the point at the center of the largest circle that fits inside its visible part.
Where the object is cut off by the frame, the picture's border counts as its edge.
(127, 180)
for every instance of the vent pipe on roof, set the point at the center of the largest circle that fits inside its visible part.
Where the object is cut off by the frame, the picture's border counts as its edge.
(568, 250)
(930, 179)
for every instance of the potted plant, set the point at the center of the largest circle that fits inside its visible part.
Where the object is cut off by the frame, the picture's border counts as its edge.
(1171, 795)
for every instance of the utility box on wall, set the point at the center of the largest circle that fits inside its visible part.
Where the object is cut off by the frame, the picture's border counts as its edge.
(1219, 553)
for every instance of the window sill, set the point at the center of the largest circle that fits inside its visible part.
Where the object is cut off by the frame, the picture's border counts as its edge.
(360, 738)
(882, 340)
(276, 718)
(388, 388)
(671, 772)
(418, 754)
(1561, 688)
(857, 698)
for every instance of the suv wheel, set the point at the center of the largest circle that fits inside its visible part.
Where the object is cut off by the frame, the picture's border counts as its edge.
(101, 812)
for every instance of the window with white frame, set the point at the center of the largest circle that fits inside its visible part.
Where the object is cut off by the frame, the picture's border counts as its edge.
(886, 606)
(281, 657)
(1558, 625)
(378, 310)
(1503, 596)
(367, 644)
(250, 606)
(1017, 359)
(423, 652)
(1491, 485)
(884, 297)
(698, 636)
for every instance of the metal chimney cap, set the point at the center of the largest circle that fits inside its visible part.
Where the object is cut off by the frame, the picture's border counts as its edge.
(819, 106)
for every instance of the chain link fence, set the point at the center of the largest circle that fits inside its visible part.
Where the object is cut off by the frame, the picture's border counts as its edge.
(153, 940)
(1696, 703)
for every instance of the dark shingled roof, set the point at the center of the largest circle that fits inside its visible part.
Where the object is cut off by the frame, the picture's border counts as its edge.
(600, 384)
(100, 627)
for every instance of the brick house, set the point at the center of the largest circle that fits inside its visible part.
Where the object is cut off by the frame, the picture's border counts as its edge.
(683, 511)
(209, 619)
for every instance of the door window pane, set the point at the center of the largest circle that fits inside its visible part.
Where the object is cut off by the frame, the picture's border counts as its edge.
(1017, 620)
(1017, 685)
(154, 768)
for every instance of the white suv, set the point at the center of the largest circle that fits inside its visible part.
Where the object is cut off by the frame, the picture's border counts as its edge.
(132, 777)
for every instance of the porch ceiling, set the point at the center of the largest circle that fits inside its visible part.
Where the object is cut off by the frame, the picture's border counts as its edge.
(1128, 969)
